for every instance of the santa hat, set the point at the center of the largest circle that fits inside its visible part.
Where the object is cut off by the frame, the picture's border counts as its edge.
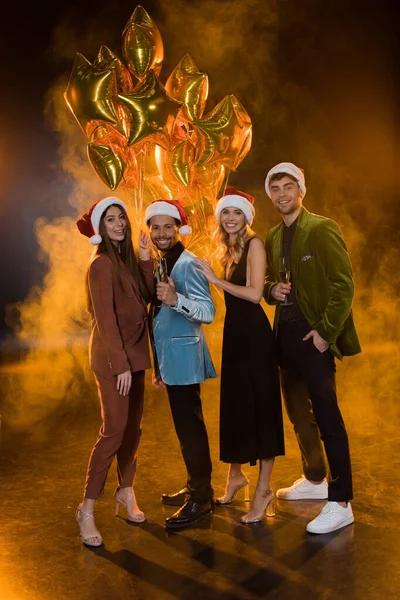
(168, 208)
(88, 224)
(236, 199)
(289, 169)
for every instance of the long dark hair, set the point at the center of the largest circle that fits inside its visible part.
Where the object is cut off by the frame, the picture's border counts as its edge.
(124, 253)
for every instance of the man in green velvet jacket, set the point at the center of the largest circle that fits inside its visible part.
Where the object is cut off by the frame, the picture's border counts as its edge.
(313, 324)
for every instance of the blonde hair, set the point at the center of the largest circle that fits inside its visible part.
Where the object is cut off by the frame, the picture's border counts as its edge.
(227, 255)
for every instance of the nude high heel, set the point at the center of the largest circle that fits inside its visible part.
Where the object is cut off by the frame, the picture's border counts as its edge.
(88, 539)
(231, 492)
(268, 508)
(137, 516)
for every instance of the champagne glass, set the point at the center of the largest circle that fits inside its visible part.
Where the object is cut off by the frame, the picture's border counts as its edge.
(161, 271)
(285, 274)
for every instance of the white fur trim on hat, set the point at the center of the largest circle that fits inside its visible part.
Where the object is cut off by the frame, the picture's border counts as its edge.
(236, 201)
(95, 217)
(290, 169)
(160, 208)
(157, 209)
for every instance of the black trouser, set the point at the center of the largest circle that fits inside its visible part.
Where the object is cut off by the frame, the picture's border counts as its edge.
(309, 375)
(189, 424)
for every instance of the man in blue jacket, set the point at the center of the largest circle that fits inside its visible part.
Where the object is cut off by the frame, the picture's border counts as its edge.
(181, 358)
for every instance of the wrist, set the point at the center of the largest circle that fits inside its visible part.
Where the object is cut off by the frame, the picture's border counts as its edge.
(174, 302)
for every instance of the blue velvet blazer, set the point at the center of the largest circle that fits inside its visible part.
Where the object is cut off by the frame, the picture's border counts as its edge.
(182, 353)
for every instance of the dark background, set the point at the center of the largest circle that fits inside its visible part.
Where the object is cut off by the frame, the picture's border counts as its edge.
(318, 79)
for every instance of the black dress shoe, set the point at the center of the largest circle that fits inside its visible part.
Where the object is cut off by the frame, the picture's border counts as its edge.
(177, 499)
(189, 514)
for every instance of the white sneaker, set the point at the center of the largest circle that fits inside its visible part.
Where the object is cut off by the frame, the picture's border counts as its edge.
(332, 517)
(302, 489)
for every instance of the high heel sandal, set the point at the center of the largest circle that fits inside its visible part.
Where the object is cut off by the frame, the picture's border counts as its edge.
(136, 517)
(227, 499)
(86, 539)
(268, 509)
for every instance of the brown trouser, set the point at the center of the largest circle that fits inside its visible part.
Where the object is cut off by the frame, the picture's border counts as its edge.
(119, 434)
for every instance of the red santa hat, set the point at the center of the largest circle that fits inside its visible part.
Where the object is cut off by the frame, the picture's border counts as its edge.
(289, 169)
(236, 199)
(169, 208)
(88, 223)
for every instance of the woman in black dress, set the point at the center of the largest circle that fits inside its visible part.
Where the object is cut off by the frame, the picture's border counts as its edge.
(251, 426)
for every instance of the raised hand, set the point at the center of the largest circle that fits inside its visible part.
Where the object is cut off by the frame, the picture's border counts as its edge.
(144, 245)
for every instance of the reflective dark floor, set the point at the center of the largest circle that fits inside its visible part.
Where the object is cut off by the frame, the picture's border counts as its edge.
(42, 475)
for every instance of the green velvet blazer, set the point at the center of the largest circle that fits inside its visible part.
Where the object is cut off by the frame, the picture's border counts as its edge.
(324, 280)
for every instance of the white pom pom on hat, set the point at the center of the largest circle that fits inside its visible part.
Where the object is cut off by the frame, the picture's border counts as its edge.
(88, 224)
(96, 239)
(236, 199)
(289, 169)
(169, 208)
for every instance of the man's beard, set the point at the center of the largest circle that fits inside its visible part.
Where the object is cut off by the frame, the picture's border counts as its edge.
(166, 247)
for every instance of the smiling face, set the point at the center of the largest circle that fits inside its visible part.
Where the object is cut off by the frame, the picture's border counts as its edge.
(232, 220)
(163, 232)
(286, 197)
(115, 222)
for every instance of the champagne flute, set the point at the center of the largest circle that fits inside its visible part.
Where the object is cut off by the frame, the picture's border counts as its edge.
(285, 274)
(161, 271)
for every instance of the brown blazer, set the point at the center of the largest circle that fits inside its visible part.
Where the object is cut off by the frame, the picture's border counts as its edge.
(119, 338)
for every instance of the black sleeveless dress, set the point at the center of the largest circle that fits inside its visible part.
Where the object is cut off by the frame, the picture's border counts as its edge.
(251, 425)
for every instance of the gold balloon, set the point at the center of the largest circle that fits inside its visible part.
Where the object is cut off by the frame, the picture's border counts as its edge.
(106, 59)
(154, 140)
(182, 162)
(225, 134)
(130, 176)
(163, 161)
(157, 188)
(151, 111)
(142, 47)
(110, 158)
(107, 163)
(188, 85)
(108, 134)
(91, 94)
(210, 179)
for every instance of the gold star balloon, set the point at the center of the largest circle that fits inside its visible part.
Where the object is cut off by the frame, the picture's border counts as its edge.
(108, 163)
(142, 47)
(107, 60)
(225, 134)
(106, 154)
(91, 94)
(150, 111)
(188, 85)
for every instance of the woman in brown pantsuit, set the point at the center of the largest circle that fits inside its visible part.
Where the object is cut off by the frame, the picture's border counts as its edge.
(118, 290)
